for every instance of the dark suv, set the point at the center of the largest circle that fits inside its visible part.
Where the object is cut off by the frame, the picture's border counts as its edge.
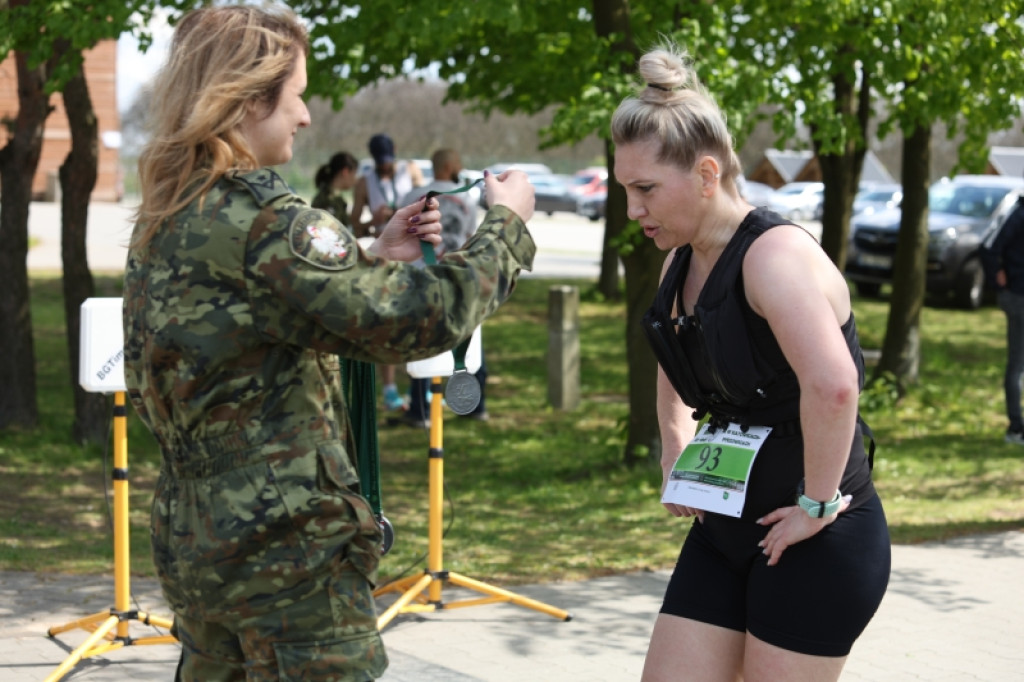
(961, 212)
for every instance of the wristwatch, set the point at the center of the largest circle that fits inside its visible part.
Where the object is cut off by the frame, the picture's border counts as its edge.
(819, 510)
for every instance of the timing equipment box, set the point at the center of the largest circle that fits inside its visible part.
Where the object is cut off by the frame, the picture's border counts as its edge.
(101, 346)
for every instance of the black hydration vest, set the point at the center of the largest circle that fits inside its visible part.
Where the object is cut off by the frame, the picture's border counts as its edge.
(751, 382)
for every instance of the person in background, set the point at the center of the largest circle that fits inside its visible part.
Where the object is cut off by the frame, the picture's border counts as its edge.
(788, 556)
(379, 190)
(1002, 257)
(332, 180)
(239, 299)
(458, 223)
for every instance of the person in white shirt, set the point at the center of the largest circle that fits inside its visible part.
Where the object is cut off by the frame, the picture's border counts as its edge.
(458, 223)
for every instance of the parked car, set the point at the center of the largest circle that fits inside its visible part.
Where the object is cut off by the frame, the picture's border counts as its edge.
(592, 205)
(877, 198)
(552, 193)
(756, 193)
(532, 170)
(961, 213)
(589, 181)
(528, 168)
(798, 200)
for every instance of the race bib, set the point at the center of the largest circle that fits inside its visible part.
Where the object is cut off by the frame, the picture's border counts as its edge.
(712, 471)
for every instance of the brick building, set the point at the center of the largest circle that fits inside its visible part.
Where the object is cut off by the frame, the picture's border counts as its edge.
(101, 75)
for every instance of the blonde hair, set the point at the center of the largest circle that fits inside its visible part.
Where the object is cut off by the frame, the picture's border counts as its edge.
(674, 108)
(222, 61)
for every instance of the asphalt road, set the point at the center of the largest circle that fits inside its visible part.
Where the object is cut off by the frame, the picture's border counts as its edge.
(568, 245)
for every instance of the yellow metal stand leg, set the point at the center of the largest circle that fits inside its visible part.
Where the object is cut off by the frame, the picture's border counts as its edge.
(112, 627)
(412, 589)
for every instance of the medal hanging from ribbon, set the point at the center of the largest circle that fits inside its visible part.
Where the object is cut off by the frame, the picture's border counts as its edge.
(462, 391)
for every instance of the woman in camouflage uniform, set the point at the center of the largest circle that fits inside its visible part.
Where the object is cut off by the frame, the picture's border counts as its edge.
(238, 299)
(332, 179)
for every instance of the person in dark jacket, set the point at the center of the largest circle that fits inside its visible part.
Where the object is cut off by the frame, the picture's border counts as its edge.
(788, 557)
(1003, 259)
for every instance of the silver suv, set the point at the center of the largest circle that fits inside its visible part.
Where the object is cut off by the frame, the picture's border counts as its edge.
(961, 212)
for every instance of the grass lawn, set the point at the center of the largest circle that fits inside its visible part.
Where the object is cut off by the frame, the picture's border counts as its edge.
(538, 494)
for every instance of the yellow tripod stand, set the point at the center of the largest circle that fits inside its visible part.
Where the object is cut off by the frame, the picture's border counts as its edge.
(111, 626)
(432, 580)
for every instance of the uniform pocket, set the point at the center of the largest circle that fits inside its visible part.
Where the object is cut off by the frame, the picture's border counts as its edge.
(342, 512)
(360, 658)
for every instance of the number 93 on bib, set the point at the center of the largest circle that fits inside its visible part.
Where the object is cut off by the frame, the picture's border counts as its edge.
(712, 471)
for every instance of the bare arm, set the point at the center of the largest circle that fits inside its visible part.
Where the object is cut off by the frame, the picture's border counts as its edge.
(675, 423)
(796, 288)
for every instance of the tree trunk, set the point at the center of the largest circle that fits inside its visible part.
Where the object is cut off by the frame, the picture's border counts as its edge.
(643, 271)
(608, 279)
(612, 22)
(18, 162)
(901, 349)
(77, 180)
(642, 266)
(841, 171)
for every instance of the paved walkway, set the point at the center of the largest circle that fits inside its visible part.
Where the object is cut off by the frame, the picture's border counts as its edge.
(954, 611)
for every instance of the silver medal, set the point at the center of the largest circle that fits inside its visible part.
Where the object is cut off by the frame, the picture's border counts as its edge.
(462, 392)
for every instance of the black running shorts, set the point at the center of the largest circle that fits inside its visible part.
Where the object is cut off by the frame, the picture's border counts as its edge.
(817, 600)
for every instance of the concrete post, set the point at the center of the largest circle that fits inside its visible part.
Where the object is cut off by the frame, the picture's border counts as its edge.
(564, 347)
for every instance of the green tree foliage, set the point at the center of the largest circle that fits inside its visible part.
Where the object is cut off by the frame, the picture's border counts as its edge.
(906, 65)
(819, 73)
(522, 57)
(961, 65)
(47, 39)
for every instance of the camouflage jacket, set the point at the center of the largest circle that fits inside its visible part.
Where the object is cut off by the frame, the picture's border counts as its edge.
(235, 309)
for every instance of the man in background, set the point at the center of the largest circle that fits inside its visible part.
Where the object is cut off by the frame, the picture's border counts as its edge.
(458, 223)
(1002, 256)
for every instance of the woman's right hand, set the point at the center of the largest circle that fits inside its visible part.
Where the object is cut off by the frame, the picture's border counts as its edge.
(511, 189)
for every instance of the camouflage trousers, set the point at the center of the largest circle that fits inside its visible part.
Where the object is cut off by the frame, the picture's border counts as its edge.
(331, 637)
(269, 563)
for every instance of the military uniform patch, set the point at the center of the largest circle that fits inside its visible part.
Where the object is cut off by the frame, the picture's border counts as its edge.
(319, 239)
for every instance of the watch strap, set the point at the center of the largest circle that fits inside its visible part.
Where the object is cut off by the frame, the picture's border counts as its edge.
(817, 509)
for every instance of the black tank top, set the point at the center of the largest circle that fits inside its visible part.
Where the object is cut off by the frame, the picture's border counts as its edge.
(724, 361)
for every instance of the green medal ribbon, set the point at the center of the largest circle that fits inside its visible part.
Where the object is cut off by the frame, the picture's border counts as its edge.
(430, 258)
(359, 385)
